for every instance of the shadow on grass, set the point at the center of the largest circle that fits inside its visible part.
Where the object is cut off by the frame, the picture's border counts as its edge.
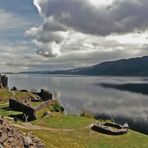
(11, 113)
(18, 117)
(6, 108)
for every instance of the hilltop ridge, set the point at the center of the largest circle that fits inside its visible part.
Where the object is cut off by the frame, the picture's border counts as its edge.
(123, 67)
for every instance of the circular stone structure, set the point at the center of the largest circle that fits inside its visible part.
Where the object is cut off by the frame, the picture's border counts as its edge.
(110, 128)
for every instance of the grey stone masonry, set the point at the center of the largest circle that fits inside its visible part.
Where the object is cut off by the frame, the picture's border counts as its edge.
(18, 106)
(3, 81)
(11, 137)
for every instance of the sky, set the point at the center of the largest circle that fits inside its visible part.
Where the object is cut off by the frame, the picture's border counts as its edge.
(40, 35)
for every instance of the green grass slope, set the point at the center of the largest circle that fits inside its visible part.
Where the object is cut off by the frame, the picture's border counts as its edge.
(81, 136)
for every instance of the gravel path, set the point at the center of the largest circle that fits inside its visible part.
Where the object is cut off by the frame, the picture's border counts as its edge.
(29, 126)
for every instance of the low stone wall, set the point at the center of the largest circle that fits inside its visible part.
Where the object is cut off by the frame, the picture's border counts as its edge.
(44, 104)
(45, 95)
(110, 128)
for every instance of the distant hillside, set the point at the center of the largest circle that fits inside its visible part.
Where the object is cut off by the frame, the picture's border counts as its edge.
(124, 67)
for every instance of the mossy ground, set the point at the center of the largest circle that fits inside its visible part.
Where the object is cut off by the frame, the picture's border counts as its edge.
(5, 95)
(58, 120)
(85, 138)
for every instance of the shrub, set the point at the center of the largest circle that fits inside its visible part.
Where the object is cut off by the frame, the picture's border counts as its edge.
(87, 114)
(57, 108)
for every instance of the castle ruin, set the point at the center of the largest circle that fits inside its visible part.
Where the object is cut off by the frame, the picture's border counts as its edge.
(3, 81)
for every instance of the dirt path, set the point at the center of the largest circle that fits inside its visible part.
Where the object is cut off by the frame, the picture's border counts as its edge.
(29, 126)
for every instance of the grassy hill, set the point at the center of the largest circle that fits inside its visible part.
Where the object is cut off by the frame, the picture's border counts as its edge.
(81, 136)
(124, 67)
(70, 131)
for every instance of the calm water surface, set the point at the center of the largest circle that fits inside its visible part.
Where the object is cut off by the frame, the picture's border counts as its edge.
(85, 93)
(78, 93)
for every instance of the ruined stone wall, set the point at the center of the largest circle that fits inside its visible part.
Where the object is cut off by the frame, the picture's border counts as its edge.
(17, 106)
(45, 104)
(4, 81)
(45, 95)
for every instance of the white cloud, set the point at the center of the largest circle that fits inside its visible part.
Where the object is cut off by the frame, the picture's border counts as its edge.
(16, 56)
(131, 38)
(104, 3)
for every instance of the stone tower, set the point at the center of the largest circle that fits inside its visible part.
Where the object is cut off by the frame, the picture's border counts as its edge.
(3, 81)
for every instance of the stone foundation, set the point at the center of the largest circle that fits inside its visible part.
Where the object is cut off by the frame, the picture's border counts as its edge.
(109, 128)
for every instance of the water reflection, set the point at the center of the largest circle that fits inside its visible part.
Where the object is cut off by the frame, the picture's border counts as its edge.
(82, 93)
(131, 87)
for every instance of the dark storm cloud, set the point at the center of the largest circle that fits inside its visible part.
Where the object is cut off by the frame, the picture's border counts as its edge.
(61, 17)
(81, 15)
